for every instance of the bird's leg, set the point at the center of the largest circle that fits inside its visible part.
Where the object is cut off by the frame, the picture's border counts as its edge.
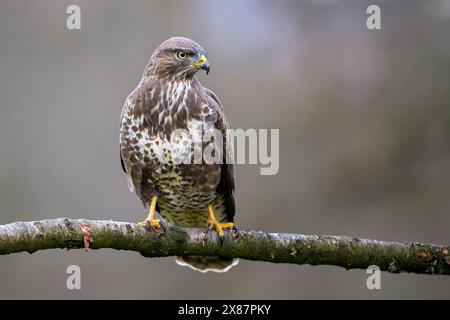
(150, 220)
(216, 225)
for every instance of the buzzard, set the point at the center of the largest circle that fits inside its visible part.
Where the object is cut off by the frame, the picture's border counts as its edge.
(170, 99)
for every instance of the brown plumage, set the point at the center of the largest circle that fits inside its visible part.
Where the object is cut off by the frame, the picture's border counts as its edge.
(170, 97)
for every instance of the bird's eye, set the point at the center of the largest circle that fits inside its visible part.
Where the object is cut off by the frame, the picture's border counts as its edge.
(182, 55)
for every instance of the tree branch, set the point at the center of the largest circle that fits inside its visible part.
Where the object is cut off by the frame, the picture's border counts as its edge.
(341, 251)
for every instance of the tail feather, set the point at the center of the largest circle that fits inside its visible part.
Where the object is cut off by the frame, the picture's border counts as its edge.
(205, 264)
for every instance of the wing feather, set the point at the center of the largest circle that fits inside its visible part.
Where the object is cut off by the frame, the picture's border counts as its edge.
(226, 183)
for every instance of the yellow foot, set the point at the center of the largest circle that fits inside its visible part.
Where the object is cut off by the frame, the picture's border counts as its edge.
(150, 221)
(213, 224)
(153, 223)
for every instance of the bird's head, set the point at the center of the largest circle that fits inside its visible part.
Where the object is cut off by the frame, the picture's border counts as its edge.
(179, 58)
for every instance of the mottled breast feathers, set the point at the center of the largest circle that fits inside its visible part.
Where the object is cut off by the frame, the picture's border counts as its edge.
(151, 113)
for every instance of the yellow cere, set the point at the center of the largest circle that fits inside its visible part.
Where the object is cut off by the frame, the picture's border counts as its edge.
(201, 61)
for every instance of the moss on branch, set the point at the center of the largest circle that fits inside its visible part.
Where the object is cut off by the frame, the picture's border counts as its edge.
(347, 252)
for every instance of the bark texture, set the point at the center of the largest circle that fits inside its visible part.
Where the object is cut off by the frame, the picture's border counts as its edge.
(343, 251)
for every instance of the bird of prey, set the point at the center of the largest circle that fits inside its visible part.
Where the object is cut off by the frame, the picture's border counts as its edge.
(169, 98)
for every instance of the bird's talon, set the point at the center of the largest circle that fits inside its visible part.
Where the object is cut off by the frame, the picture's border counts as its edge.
(213, 224)
(153, 225)
(163, 227)
(228, 225)
(143, 223)
(234, 232)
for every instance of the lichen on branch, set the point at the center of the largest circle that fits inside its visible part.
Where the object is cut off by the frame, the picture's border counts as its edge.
(343, 251)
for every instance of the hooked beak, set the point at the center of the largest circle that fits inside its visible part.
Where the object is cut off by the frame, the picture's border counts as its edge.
(202, 63)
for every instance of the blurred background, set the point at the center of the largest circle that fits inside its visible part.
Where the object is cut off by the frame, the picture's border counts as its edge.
(364, 119)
